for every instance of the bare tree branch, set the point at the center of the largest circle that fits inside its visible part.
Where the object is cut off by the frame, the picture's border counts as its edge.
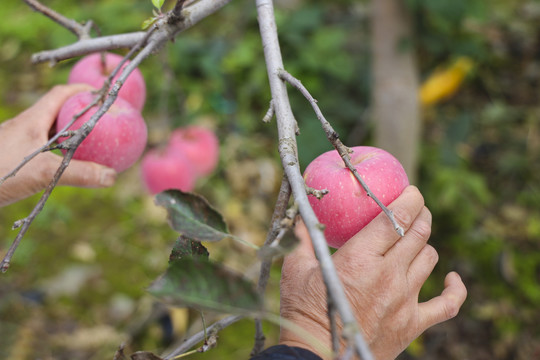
(167, 30)
(198, 337)
(280, 210)
(343, 150)
(288, 153)
(151, 41)
(81, 31)
(78, 137)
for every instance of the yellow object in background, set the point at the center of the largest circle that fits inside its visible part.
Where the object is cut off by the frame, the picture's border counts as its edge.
(444, 83)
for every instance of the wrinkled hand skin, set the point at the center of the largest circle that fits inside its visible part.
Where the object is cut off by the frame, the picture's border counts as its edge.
(28, 131)
(382, 275)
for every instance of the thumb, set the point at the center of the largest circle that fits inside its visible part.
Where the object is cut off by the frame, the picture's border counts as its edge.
(446, 305)
(88, 174)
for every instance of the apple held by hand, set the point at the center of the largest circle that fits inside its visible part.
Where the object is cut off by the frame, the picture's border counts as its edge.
(199, 144)
(346, 209)
(117, 140)
(90, 70)
(161, 170)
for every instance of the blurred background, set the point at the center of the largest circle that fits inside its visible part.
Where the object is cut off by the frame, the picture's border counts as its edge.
(76, 287)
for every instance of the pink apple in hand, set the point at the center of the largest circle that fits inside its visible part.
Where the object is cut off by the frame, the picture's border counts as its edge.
(161, 170)
(117, 140)
(346, 209)
(90, 70)
(199, 144)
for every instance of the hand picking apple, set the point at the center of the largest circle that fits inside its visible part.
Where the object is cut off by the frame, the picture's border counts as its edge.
(117, 140)
(92, 71)
(191, 153)
(382, 274)
(346, 209)
(28, 131)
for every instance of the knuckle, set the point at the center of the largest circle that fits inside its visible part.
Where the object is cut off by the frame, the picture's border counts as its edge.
(451, 309)
(421, 229)
(402, 217)
(431, 254)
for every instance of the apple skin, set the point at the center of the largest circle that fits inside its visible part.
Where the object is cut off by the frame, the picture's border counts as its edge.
(89, 70)
(163, 170)
(119, 137)
(199, 144)
(346, 209)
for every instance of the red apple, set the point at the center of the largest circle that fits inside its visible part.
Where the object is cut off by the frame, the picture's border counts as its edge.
(90, 70)
(117, 140)
(161, 170)
(199, 144)
(346, 209)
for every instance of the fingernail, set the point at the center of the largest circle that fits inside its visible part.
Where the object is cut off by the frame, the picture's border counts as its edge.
(108, 177)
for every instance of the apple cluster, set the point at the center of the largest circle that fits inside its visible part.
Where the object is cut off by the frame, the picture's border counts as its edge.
(191, 153)
(119, 137)
(346, 208)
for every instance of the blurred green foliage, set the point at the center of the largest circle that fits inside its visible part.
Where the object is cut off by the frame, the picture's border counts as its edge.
(480, 170)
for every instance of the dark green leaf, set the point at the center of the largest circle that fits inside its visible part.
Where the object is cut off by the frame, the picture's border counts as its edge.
(192, 216)
(202, 284)
(187, 247)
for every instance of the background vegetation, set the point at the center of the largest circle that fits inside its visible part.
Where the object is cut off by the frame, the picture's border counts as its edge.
(76, 288)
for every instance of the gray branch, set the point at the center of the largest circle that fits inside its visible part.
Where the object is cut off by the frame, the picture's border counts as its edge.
(190, 15)
(288, 153)
(343, 150)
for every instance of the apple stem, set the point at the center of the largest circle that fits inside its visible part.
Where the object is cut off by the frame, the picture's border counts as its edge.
(343, 150)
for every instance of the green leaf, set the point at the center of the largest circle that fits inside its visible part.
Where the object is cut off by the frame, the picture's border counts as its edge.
(192, 216)
(148, 22)
(158, 3)
(186, 247)
(205, 285)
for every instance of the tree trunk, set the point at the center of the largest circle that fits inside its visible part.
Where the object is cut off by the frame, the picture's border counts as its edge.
(395, 83)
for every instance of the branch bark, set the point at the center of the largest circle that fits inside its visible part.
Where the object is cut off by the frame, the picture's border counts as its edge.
(280, 210)
(81, 31)
(288, 152)
(190, 15)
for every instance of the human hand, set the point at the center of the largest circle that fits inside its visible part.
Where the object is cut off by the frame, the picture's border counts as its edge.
(28, 131)
(382, 275)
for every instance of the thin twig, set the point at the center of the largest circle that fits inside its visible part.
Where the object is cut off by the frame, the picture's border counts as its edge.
(192, 14)
(81, 31)
(198, 337)
(332, 317)
(280, 210)
(343, 150)
(270, 113)
(288, 153)
(176, 12)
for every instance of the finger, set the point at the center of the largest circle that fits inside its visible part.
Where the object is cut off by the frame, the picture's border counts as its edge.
(407, 248)
(422, 266)
(444, 306)
(87, 174)
(43, 113)
(379, 235)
